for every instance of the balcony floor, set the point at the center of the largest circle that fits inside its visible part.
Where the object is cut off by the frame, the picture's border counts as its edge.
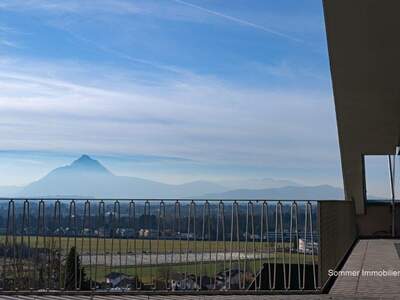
(370, 255)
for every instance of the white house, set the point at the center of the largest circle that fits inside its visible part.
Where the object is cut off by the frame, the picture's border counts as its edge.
(178, 282)
(307, 247)
(115, 278)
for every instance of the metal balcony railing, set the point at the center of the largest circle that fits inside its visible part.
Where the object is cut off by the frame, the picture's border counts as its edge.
(135, 246)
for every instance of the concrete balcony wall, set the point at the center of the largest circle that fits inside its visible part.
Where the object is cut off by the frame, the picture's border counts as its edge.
(338, 232)
(377, 222)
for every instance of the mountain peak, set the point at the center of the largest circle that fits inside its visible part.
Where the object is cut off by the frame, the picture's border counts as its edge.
(84, 158)
(86, 163)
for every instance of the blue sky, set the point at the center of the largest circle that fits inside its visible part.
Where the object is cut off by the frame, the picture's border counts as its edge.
(168, 90)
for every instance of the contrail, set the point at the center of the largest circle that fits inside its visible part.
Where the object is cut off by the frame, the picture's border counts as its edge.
(240, 21)
(117, 53)
(121, 54)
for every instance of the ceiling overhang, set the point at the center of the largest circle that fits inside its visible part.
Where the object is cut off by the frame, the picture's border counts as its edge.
(364, 51)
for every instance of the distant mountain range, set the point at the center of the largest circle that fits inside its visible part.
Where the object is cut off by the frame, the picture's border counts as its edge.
(256, 183)
(88, 178)
(319, 192)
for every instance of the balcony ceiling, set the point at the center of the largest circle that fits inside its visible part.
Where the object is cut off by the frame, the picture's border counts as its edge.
(364, 50)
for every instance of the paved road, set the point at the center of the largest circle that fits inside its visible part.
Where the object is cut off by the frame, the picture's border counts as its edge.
(169, 258)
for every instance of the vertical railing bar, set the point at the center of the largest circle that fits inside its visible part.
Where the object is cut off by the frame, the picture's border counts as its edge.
(128, 240)
(305, 245)
(57, 208)
(275, 245)
(142, 243)
(254, 246)
(239, 245)
(177, 223)
(82, 234)
(245, 243)
(145, 212)
(118, 206)
(165, 242)
(180, 232)
(50, 258)
(261, 252)
(40, 221)
(134, 243)
(89, 224)
(268, 244)
(71, 224)
(112, 238)
(4, 269)
(15, 250)
(67, 243)
(203, 242)
(290, 245)
(231, 250)
(148, 216)
(99, 224)
(75, 247)
(17, 260)
(297, 244)
(105, 241)
(13, 257)
(235, 216)
(29, 241)
(161, 210)
(217, 246)
(187, 243)
(174, 233)
(312, 245)
(15, 271)
(44, 230)
(206, 214)
(210, 245)
(25, 223)
(223, 235)
(282, 245)
(195, 241)
(86, 216)
(52, 242)
(158, 240)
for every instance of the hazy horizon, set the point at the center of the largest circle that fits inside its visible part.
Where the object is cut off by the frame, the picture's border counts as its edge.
(233, 183)
(87, 177)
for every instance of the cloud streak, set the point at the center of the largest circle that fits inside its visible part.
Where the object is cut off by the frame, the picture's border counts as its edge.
(150, 8)
(197, 118)
(240, 21)
(109, 6)
(8, 43)
(120, 54)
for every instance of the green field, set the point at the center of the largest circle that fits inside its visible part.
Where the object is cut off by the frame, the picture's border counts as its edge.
(101, 245)
(147, 274)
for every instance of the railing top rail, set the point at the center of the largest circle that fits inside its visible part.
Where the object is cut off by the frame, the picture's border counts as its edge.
(159, 199)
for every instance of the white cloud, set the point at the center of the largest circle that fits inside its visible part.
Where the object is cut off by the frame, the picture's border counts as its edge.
(104, 7)
(57, 107)
(72, 6)
(7, 43)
